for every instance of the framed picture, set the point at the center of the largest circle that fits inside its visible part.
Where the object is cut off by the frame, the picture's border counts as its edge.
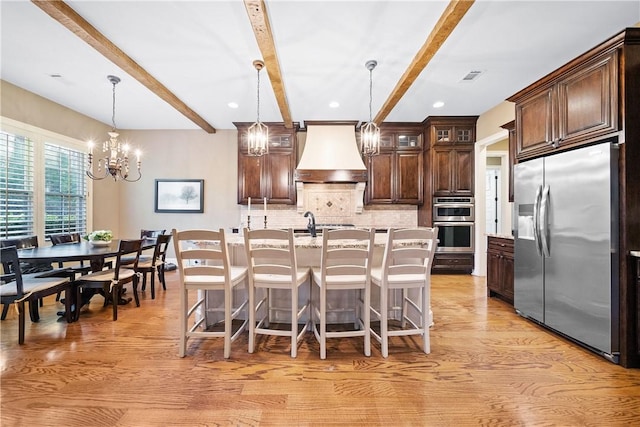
(180, 195)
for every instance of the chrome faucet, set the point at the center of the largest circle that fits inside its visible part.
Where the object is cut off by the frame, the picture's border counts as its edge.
(311, 226)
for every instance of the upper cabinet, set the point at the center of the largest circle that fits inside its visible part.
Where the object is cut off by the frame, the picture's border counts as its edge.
(396, 174)
(579, 104)
(451, 141)
(271, 175)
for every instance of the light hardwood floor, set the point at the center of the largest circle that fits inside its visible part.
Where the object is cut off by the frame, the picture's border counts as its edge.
(487, 367)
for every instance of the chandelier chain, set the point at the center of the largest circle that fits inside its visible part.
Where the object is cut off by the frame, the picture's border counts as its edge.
(113, 108)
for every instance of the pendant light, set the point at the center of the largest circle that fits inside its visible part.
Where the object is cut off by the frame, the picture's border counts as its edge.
(115, 155)
(258, 133)
(370, 132)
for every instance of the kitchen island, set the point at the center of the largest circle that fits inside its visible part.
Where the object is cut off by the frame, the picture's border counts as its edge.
(308, 252)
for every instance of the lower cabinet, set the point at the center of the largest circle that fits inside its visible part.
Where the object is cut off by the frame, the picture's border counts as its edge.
(500, 268)
(637, 258)
(450, 263)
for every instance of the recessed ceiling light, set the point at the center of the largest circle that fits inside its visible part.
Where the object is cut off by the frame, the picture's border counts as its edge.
(233, 105)
(334, 104)
(438, 104)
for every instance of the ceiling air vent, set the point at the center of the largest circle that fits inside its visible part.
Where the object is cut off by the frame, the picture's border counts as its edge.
(471, 76)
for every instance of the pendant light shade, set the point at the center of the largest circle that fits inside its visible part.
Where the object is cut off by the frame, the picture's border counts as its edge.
(258, 133)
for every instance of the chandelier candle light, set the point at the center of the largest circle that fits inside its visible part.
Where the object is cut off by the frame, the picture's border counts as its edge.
(258, 133)
(370, 132)
(115, 158)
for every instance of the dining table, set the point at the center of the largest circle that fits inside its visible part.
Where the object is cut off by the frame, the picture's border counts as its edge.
(83, 251)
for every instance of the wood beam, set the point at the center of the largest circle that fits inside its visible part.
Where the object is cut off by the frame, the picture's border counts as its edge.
(75, 23)
(257, 11)
(450, 18)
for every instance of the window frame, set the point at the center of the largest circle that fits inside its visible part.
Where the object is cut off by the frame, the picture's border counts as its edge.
(40, 137)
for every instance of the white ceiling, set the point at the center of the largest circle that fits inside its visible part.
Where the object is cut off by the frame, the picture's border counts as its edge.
(202, 51)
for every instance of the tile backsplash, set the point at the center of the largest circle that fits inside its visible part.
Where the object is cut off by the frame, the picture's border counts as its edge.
(378, 216)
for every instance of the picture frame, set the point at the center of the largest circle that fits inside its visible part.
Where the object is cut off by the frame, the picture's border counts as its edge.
(179, 195)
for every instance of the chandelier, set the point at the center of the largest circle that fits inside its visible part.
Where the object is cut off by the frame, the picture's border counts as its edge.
(115, 155)
(258, 133)
(370, 132)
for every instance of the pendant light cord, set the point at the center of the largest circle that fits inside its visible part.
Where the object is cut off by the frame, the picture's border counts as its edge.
(370, 93)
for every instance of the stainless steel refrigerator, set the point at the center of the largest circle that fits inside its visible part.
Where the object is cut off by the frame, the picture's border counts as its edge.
(566, 245)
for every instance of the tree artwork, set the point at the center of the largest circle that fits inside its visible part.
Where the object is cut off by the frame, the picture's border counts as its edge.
(188, 193)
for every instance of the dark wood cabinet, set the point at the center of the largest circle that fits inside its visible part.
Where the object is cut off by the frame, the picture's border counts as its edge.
(271, 175)
(637, 263)
(448, 263)
(396, 174)
(453, 170)
(578, 106)
(500, 268)
(451, 151)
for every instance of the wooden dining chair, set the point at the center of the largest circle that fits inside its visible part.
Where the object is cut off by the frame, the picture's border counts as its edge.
(152, 265)
(204, 267)
(17, 288)
(406, 267)
(31, 267)
(273, 267)
(112, 281)
(345, 267)
(69, 239)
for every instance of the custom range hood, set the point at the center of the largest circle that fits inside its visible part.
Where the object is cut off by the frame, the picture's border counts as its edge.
(331, 155)
(331, 176)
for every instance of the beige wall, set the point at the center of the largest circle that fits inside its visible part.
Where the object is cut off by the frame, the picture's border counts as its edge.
(490, 121)
(182, 154)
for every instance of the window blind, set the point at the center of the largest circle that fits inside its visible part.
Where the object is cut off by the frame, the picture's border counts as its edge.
(16, 185)
(65, 190)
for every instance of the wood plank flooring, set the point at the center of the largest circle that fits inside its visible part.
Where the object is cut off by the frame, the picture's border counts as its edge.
(487, 367)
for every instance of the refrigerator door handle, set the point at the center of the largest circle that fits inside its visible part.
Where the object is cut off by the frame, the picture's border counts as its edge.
(536, 220)
(544, 222)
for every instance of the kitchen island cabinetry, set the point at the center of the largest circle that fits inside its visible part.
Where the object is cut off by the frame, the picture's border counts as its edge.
(395, 176)
(271, 175)
(500, 268)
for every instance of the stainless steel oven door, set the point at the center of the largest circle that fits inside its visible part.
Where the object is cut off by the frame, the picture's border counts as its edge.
(455, 236)
(453, 212)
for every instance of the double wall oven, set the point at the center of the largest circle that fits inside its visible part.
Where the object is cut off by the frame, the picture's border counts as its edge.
(454, 216)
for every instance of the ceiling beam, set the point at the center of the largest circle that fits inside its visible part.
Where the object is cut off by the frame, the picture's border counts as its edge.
(448, 21)
(257, 11)
(75, 23)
